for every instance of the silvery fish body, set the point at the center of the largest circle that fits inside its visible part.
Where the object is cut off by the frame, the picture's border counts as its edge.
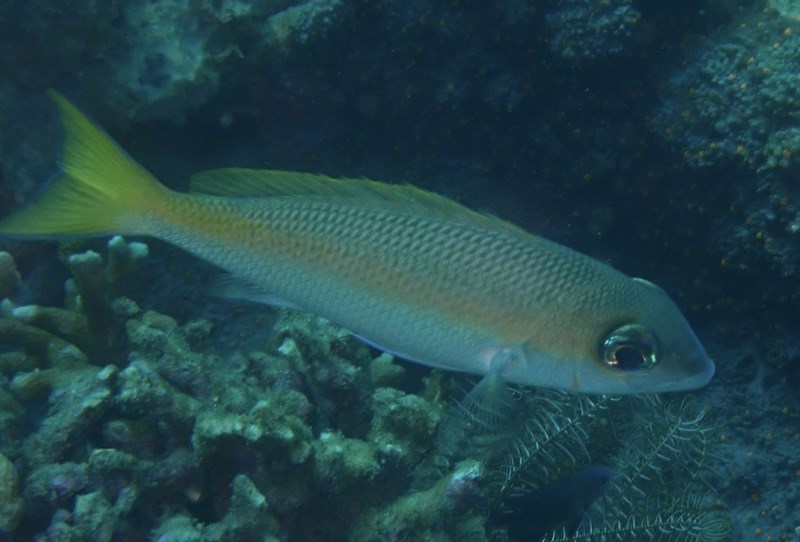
(407, 270)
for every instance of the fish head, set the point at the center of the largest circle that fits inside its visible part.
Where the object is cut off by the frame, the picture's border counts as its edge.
(656, 350)
(651, 349)
(633, 341)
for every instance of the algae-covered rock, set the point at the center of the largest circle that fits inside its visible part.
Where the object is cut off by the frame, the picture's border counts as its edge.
(268, 442)
(93, 518)
(181, 359)
(141, 391)
(297, 24)
(384, 372)
(276, 436)
(111, 466)
(403, 425)
(53, 350)
(13, 424)
(248, 517)
(71, 326)
(197, 334)
(339, 462)
(139, 437)
(15, 362)
(113, 470)
(54, 486)
(9, 404)
(443, 512)
(333, 368)
(179, 528)
(12, 507)
(157, 338)
(77, 401)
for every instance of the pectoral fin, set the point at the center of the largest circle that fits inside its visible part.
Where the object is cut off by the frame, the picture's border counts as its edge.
(232, 287)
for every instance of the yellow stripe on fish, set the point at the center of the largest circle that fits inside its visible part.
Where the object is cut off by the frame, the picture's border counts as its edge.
(407, 270)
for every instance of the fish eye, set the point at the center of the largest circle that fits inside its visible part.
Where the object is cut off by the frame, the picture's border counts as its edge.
(630, 348)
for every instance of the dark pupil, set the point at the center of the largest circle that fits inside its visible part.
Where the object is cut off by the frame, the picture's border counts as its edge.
(628, 358)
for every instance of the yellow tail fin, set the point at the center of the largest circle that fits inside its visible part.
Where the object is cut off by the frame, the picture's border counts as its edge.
(101, 190)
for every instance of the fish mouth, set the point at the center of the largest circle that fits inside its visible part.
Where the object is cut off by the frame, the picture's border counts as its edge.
(690, 365)
(704, 375)
(697, 373)
(700, 367)
(696, 381)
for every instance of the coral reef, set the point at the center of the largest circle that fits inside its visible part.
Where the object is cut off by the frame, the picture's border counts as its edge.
(658, 136)
(403, 425)
(228, 443)
(735, 107)
(247, 519)
(297, 23)
(735, 103)
(437, 513)
(585, 30)
(158, 59)
(12, 507)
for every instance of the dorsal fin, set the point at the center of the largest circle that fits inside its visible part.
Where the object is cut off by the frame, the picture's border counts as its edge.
(262, 183)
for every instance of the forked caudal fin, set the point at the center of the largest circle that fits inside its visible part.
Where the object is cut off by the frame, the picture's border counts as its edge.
(101, 190)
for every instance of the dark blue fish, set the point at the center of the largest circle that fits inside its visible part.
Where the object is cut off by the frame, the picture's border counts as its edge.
(562, 503)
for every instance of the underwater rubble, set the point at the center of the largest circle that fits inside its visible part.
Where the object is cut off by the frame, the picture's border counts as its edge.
(119, 423)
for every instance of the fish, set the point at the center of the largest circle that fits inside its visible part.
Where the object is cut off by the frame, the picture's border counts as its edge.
(409, 271)
(562, 503)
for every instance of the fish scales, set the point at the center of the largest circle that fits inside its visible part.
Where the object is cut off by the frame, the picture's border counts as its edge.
(379, 272)
(462, 273)
(406, 270)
